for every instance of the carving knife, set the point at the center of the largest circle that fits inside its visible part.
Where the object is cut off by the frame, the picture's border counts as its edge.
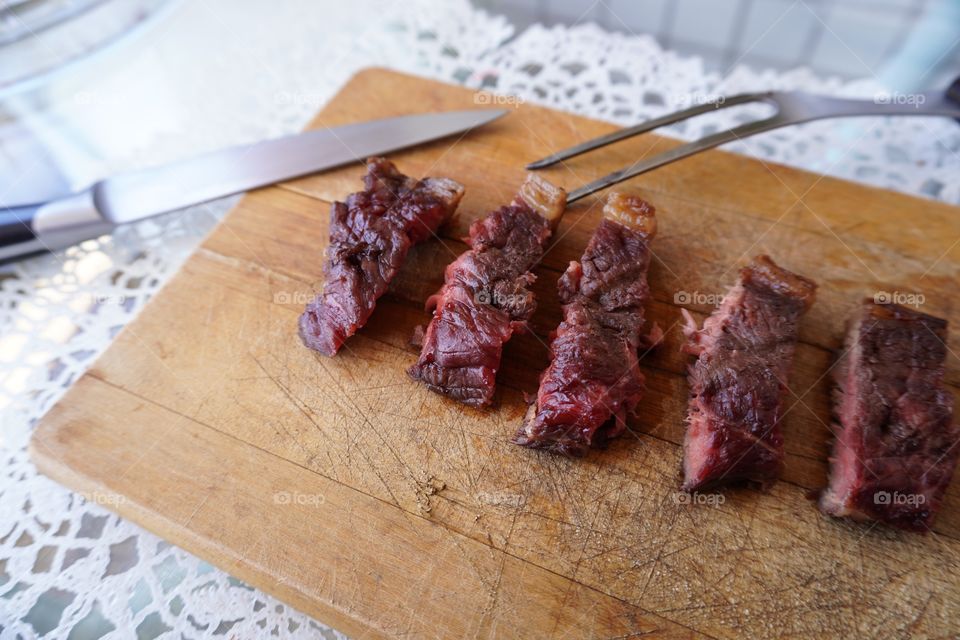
(128, 197)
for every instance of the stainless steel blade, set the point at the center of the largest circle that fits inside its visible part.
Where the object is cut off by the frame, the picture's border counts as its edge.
(139, 194)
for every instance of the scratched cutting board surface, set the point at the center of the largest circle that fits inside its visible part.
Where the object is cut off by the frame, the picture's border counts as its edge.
(382, 509)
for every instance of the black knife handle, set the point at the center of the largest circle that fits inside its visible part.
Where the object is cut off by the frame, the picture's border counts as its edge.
(16, 224)
(50, 226)
(953, 93)
(17, 236)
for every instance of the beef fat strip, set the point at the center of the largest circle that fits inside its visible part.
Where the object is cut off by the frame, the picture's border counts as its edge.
(737, 384)
(370, 236)
(485, 298)
(594, 376)
(895, 449)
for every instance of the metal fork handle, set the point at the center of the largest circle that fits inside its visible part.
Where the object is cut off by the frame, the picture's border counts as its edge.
(793, 108)
(796, 107)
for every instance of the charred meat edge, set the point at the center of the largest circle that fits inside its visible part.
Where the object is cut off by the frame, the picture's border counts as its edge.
(370, 236)
(485, 297)
(894, 452)
(744, 353)
(594, 377)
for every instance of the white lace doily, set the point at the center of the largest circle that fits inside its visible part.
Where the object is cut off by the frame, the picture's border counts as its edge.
(66, 563)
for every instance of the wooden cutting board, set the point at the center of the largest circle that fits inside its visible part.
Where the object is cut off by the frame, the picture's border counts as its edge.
(343, 488)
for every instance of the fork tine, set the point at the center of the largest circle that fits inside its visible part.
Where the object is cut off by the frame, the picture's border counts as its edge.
(649, 125)
(678, 153)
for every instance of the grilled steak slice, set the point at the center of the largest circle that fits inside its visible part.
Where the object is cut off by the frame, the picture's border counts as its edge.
(895, 448)
(370, 235)
(484, 298)
(744, 351)
(594, 376)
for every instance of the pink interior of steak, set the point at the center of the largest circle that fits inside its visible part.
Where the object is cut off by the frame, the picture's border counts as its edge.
(594, 377)
(894, 454)
(485, 296)
(835, 500)
(744, 352)
(370, 236)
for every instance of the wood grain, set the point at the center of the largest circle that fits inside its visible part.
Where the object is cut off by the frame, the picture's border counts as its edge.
(385, 510)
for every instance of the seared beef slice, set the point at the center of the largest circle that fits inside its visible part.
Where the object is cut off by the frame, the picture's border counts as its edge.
(484, 298)
(738, 382)
(895, 449)
(594, 377)
(370, 236)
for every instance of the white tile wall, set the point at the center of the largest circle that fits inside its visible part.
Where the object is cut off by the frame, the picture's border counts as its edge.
(572, 11)
(777, 31)
(706, 23)
(639, 16)
(849, 38)
(856, 40)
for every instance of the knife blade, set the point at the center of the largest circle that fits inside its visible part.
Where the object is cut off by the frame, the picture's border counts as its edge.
(132, 196)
